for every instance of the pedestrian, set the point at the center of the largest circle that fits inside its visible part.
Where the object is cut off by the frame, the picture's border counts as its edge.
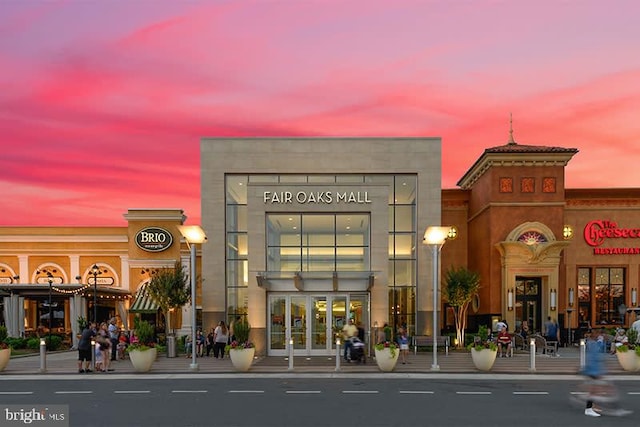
(220, 338)
(114, 334)
(84, 348)
(598, 389)
(348, 331)
(403, 340)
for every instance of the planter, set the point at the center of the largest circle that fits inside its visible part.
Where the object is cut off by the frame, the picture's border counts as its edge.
(483, 359)
(142, 360)
(629, 360)
(386, 362)
(5, 355)
(242, 358)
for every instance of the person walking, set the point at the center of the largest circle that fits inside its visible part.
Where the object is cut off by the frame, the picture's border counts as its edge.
(84, 348)
(598, 389)
(348, 331)
(220, 339)
(114, 334)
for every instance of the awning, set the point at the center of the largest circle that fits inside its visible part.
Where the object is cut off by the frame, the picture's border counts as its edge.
(143, 302)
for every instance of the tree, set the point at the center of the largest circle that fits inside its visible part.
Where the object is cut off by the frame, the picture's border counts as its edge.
(460, 286)
(170, 288)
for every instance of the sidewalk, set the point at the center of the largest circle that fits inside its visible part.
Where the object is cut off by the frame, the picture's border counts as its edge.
(568, 363)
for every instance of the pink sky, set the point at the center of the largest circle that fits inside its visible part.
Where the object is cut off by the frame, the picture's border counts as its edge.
(103, 104)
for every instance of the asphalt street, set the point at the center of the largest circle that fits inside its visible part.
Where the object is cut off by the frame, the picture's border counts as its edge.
(316, 401)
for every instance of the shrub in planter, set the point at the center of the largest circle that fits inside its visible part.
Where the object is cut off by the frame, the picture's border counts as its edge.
(3, 338)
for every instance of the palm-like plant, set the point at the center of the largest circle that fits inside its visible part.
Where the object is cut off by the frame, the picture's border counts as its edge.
(460, 286)
(170, 288)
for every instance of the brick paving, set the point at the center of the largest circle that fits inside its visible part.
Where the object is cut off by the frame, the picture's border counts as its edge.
(568, 363)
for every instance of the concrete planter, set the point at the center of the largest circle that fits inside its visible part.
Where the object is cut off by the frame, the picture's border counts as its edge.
(483, 359)
(629, 360)
(387, 362)
(5, 355)
(242, 358)
(142, 360)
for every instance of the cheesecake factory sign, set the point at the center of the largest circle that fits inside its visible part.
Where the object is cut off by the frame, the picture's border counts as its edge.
(600, 231)
(311, 197)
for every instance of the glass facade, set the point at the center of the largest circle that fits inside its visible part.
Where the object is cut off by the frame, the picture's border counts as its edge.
(326, 242)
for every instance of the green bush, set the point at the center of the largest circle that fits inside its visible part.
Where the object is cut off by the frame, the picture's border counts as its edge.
(54, 344)
(3, 333)
(17, 343)
(241, 330)
(33, 343)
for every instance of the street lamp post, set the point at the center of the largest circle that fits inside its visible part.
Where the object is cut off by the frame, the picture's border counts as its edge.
(95, 270)
(50, 280)
(435, 238)
(193, 234)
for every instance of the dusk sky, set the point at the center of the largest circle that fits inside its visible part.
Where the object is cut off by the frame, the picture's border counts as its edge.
(103, 103)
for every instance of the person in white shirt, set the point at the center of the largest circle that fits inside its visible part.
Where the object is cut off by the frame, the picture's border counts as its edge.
(636, 325)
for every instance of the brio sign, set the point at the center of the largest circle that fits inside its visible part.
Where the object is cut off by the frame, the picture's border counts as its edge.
(153, 239)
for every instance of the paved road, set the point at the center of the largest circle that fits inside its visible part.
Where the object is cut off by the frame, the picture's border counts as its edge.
(317, 402)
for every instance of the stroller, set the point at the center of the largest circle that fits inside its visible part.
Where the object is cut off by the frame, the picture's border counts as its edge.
(357, 350)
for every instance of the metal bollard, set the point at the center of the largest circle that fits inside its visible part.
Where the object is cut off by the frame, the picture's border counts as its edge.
(291, 354)
(338, 355)
(532, 355)
(93, 355)
(583, 360)
(43, 355)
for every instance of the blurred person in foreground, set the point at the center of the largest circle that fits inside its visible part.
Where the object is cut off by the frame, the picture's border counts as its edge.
(599, 389)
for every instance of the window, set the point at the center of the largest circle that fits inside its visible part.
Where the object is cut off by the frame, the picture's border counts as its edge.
(318, 242)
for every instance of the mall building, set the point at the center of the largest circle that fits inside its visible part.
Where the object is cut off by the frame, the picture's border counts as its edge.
(305, 233)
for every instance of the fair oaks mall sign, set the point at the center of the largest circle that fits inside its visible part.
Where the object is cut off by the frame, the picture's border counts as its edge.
(311, 197)
(600, 231)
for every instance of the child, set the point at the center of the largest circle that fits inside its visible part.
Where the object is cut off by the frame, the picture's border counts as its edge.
(403, 340)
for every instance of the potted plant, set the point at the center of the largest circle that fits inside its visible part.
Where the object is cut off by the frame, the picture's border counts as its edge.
(386, 355)
(142, 348)
(5, 350)
(628, 353)
(170, 288)
(459, 288)
(483, 351)
(241, 350)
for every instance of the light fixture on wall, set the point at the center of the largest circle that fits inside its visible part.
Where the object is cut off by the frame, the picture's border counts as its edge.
(510, 299)
(567, 232)
(553, 299)
(571, 296)
(634, 297)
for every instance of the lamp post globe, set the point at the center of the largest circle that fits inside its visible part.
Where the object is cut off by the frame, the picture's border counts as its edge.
(435, 237)
(193, 234)
(50, 280)
(95, 270)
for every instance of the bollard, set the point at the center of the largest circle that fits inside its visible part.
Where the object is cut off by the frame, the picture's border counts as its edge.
(583, 360)
(532, 355)
(93, 355)
(43, 356)
(291, 354)
(338, 355)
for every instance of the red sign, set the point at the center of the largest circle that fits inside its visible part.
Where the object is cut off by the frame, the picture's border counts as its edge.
(595, 232)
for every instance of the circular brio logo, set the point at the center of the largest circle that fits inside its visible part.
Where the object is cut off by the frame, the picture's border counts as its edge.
(153, 239)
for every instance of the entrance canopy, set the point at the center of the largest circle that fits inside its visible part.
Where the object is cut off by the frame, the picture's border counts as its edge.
(143, 302)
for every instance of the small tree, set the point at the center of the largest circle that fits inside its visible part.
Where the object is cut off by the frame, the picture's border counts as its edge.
(460, 286)
(170, 288)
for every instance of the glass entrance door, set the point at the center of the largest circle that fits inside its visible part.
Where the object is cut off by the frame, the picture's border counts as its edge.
(311, 321)
(528, 302)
